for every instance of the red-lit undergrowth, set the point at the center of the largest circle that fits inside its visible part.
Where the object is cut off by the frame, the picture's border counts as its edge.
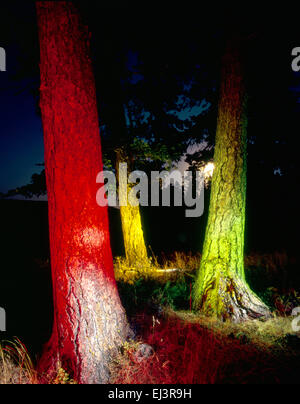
(182, 353)
(189, 353)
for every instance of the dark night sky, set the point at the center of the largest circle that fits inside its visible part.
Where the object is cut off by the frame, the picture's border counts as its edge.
(21, 141)
(21, 136)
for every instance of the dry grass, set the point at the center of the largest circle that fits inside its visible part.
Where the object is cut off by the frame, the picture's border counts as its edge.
(265, 335)
(188, 263)
(16, 366)
(129, 274)
(271, 262)
(182, 354)
(188, 349)
(162, 268)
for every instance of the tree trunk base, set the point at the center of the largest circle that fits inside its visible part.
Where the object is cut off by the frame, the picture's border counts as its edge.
(100, 324)
(231, 299)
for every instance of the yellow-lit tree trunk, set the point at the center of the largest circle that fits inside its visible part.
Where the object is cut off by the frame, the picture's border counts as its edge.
(133, 235)
(221, 289)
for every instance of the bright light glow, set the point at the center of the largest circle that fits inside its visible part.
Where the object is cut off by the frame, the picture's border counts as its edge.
(208, 170)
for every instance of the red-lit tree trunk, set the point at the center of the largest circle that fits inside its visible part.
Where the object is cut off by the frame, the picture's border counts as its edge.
(89, 320)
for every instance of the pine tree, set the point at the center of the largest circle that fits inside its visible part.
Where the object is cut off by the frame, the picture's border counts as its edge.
(89, 320)
(221, 289)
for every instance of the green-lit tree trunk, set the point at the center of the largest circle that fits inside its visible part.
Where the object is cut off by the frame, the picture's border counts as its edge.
(133, 235)
(221, 290)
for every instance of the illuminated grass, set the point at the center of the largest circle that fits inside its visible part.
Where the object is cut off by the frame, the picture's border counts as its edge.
(266, 335)
(16, 366)
(188, 347)
(192, 350)
(164, 268)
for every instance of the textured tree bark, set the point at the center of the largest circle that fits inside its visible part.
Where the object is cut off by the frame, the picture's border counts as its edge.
(221, 289)
(89, 320)
(133, 235)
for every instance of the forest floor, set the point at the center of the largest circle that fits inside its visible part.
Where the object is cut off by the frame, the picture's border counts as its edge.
(173, 344)
(189, 348)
